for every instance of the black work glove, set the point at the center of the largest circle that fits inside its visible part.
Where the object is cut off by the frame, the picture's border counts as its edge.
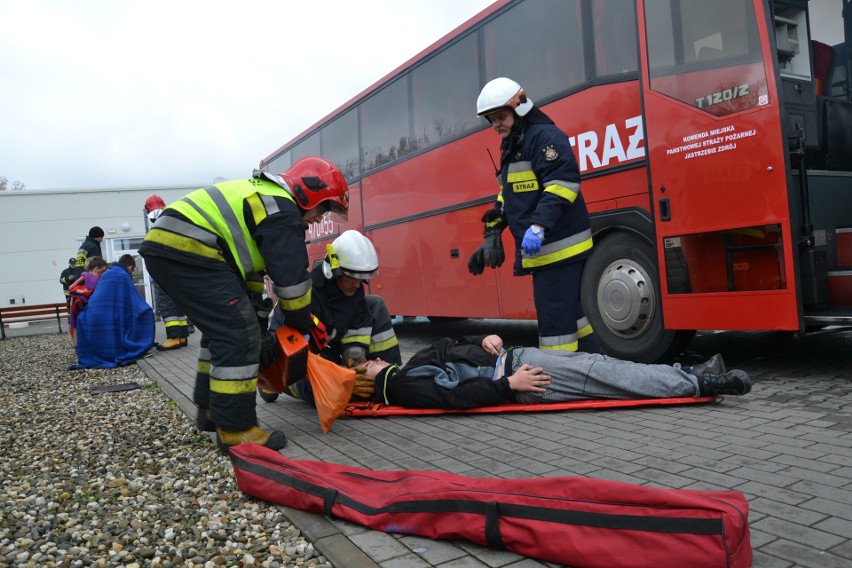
(492, 249)
(262, 308)
(268, 349)
(476, 264)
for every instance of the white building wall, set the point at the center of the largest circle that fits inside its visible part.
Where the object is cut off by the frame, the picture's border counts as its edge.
(41, 230)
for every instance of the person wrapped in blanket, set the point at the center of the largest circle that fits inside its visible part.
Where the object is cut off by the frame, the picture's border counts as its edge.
(82, 289)
(478, 371)
(117, 326)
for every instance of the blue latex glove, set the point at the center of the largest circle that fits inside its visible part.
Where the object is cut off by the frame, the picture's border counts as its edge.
(531, 243)
(307, 337)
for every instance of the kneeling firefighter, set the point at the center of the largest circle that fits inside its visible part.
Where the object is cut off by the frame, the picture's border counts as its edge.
(358, 325)
(210, 250)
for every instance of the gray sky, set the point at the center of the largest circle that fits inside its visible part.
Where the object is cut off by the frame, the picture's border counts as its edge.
(119, 93)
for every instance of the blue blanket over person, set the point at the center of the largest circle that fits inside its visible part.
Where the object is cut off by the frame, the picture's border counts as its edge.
(117, 326)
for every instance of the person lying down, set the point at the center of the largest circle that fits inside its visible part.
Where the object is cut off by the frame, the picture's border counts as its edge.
(478, 371)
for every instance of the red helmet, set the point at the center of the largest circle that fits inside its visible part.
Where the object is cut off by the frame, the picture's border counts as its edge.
(154, 202)
(314, 181)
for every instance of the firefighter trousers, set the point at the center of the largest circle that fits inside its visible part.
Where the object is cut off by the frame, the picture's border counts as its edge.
(174, 320)
(562, 324)
(216, 301)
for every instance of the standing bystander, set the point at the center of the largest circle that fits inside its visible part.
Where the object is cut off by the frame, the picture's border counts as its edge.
(67, 278)
(91, 247)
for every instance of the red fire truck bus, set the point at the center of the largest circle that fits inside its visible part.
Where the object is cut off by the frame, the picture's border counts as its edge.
(715, 146)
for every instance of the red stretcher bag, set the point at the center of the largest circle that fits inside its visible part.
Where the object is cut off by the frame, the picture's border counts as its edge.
(576, 521)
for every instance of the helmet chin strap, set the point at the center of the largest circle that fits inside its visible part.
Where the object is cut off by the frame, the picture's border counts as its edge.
(330, 266)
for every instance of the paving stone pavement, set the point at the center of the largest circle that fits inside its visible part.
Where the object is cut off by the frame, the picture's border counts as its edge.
(787, 446)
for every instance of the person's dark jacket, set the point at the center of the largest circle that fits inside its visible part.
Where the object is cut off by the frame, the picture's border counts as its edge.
(344, 317)
(400, 386)
(89, 248)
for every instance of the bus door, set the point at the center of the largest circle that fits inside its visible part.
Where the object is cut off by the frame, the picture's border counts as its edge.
(717, 166)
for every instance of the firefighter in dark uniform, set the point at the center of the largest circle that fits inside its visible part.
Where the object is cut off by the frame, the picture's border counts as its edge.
(541, 203)
(174, 320)
(209, 252)
(90, 247)
(358, 325)
(68, 276)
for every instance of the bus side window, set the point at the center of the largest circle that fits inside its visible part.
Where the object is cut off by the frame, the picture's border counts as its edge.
(615, 38)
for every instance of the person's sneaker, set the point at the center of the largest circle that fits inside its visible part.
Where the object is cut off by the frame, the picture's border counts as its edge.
(274, 440)
(714, 365)
(734, 382)
(203, 421)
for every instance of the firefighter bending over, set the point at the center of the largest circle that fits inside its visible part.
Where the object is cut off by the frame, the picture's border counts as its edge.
(209, 252)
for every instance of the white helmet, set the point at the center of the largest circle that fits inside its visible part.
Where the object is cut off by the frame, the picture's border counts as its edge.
(154, 215)
(351, 254)
(502, 92)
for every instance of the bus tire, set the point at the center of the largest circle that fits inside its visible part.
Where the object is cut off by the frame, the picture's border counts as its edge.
(620, 293)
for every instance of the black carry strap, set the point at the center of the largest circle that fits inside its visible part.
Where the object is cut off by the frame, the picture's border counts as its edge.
(491, 511)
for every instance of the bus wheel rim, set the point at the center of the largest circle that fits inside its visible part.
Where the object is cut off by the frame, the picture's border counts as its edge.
(626, 298)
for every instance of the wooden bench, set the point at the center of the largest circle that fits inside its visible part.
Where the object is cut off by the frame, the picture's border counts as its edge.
(32, 313)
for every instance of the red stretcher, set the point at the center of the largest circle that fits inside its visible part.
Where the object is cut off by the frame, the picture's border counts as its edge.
(375, 409)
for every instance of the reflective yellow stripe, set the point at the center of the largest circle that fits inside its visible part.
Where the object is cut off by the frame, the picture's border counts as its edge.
(293, 304)
(183, 243)
(234, 386)
(562, 191)
(362, 339)
(556, 256)
(202, 367)
(584, 328)
(258, 211)
(571, 347)
(174, 323)
(384, 345)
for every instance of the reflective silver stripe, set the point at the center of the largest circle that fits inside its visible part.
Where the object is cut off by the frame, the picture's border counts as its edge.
(383, 336)
(270, 204)
(291, 292)
(519, 167)
(191, 230)
(565, 243)
(583, 322)
(357, 352)
(234, 373)
(198, 210)
(360, 332)
(554, 340)
(204, 354)
(237, 236)
(173, 319)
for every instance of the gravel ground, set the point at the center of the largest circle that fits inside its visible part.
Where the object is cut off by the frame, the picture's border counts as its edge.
(121, 478)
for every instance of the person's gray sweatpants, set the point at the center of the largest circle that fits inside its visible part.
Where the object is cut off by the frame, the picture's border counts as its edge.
(578, 376)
